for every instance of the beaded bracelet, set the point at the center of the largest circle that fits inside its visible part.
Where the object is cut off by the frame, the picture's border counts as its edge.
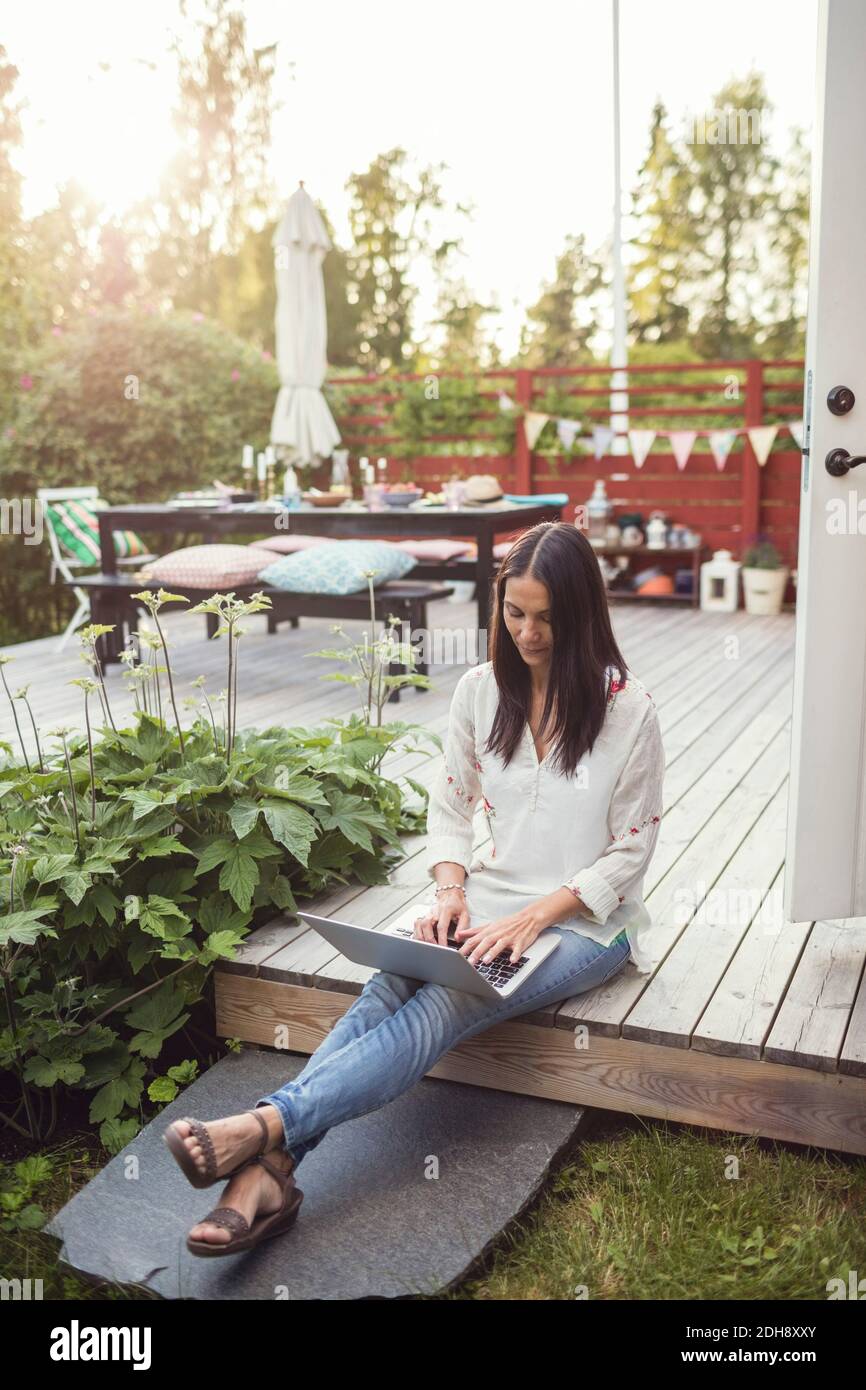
(443, 888)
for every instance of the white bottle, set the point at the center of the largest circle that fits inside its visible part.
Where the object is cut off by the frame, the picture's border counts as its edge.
(598, 514)
(291, 488)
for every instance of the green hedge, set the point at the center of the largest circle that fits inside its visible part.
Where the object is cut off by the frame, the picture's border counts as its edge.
(139, 404)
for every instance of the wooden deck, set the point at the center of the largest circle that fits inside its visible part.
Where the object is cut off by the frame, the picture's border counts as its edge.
(748, 1023)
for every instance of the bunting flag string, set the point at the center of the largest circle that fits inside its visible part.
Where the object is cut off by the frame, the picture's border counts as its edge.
(682, 442)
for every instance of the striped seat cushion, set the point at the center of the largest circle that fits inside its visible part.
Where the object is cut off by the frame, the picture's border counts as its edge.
(209, 567)
(76, 527)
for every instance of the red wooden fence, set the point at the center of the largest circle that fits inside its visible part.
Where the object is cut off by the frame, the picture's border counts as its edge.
(731, 508)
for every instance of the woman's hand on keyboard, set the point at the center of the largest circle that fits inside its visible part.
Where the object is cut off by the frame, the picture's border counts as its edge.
(433, 925)
(514, 933)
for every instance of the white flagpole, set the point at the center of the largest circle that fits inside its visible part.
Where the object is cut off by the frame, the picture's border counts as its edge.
(619, 351)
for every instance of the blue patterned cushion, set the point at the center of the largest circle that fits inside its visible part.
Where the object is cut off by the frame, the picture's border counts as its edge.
(338, 567)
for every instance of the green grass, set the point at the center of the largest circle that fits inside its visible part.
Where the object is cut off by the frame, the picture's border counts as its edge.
(643, 1210)
(646, 1211)
(29, 1254)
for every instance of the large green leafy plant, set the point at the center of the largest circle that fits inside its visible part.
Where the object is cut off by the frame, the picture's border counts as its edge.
(135, 860)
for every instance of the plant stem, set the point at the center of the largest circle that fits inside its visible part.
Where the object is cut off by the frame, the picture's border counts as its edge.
(372, 645)
(35, 735)
(235, 695)
(74, 799)
(170, 681)
(15, 717)
(154, 666)
(123, 1002)
(52, 1122)
(230, 734)
(90, 759)
(13, 1027)
(102, 686)
(12, 1125)
(213, 723)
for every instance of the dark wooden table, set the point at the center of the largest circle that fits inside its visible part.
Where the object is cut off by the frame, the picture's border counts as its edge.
(482, 524)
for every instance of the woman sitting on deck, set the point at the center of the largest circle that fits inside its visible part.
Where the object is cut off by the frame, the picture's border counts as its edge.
(563, 751)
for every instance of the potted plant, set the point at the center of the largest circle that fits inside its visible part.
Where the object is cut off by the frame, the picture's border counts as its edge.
(764, 578)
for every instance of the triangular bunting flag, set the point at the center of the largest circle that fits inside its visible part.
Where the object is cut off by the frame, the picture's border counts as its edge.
(641, 442)
(505, 401)
(682, 443)
(602, 438)
(566, 432)
(796, 428)
(533, 423)
(721, 444)
(761, 438)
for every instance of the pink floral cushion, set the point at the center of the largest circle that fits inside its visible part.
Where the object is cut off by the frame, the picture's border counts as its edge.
(287, 545)
(210, 567)
(436, 550)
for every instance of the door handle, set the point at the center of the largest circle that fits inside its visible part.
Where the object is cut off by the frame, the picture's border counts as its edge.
(839, 461)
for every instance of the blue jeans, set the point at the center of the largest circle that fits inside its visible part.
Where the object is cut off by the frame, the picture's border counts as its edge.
(398, 1028)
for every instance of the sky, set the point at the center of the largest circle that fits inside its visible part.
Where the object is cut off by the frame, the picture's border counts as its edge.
(515, 98)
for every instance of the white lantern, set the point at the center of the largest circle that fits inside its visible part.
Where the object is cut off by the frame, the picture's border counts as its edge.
(720, 583)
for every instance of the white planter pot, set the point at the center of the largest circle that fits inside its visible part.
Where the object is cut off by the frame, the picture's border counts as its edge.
(763, 589)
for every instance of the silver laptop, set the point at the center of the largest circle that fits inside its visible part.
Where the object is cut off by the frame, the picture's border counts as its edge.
(395, 948)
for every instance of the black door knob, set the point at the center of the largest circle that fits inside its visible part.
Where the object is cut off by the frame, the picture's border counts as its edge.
(840, 400)
(839, 461)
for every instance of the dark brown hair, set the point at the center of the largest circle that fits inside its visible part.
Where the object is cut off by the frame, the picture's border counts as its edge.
(558, 555)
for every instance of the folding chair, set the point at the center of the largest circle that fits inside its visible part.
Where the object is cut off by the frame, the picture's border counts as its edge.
(63, 562)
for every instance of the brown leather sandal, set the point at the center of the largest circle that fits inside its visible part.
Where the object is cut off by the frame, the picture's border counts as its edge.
(175, 1143)
(244, 1236)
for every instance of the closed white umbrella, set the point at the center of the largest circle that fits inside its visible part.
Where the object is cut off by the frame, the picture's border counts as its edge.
(301, 419)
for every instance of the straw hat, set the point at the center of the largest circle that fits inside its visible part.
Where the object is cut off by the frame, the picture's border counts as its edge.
(481, 488)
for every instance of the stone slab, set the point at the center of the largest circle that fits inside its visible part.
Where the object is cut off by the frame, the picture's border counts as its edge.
(373, 1224)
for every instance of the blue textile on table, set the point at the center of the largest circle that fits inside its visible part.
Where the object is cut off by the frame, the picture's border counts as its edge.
(540, 499)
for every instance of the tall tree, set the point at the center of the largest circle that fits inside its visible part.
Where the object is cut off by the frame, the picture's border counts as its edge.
(788, 273)
(392, 215)
(735, 187)
(657, 312)
(723, 238)
(12, 243)
(63, 255)
(218, 183)
(464, 338)
(556, 334)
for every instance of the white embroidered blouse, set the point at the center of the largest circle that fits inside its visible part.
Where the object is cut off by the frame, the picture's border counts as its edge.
(594, 833)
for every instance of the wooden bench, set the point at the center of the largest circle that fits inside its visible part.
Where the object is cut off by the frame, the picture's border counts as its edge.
(112, 603)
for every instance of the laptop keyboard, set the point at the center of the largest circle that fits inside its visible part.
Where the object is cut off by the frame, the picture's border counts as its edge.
(497, 972)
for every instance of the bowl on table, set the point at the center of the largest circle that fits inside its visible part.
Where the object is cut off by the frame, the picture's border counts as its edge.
(401, 496)
(325, 499)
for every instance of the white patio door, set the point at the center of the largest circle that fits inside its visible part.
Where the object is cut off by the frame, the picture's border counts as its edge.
(825, 873)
